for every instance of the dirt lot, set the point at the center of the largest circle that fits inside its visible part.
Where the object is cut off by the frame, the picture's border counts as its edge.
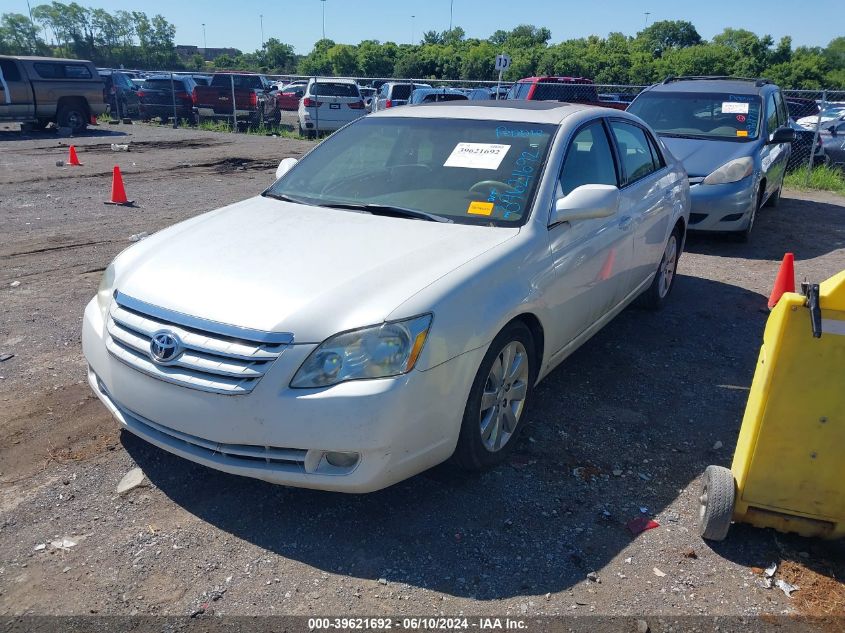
(629, 422)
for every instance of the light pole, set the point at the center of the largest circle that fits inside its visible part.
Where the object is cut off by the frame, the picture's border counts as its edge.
(647, 13)
(412, 29)
(451, 8)
(324, 18)
(261, 19)
(204, 43)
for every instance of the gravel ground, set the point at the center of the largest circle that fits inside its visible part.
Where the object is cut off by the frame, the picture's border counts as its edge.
(623, 428)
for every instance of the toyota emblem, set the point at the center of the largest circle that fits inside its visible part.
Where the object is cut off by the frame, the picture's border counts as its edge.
(165, 347)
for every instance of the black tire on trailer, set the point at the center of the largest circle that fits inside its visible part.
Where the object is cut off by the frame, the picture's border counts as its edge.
(716, 503)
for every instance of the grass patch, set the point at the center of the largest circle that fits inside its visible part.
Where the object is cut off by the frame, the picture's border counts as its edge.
(822, 178)
(222, 125)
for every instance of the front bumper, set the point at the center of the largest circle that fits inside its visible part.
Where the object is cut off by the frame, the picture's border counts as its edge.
(399, 426)
(725, 207)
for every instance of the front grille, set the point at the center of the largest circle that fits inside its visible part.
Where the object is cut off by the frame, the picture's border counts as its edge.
(217, 358)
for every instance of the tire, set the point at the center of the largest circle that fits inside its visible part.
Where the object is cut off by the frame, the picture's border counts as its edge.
(664, 279)
(716, 503)
(483, 445)
(73, 116)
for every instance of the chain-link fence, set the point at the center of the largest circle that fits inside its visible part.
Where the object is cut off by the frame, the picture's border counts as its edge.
(818, 118)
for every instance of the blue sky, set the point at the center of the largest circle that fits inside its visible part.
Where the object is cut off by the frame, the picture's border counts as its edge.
(299, 22)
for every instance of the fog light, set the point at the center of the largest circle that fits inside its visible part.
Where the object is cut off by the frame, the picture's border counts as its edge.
(342, 460)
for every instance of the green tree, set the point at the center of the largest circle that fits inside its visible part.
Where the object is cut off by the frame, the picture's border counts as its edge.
(18, 36)
(667, 34)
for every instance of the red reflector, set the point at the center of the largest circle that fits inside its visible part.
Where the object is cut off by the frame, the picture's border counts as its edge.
(358, 105)
(141, 94)
(310, 103)
(388, 104)
(194, 96)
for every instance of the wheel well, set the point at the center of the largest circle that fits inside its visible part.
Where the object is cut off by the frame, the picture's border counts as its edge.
(536, 328)
(73, 101)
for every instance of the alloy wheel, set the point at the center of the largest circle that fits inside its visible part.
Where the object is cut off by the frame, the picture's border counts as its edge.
(503, 399)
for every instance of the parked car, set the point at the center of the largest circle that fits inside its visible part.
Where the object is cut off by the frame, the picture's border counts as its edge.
(122, 94)
(799, 108)
(328, 105)
(367, 94)
(833, 140)
(435, 95)
(254, 95)
(159, 97)
(393, 299)
(43, 90)
(734, 139)
(830, 113)
(806, 141)
(392, 94)
(567, 89)
(290, 94)
(480, 94)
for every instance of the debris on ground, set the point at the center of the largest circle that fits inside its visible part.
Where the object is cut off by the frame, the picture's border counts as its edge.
(642, 626)
(640, 524)
(132, 479)
(15, 284)
(690, 553)
(40, 547)
(658, 573)
(64, 543)
(593, 577)
(786, 587)
(5, 357)
(717, 445)
(120, 147)
(770, 570)
(137, 237)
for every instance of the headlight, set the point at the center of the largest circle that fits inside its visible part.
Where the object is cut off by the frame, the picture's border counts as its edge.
(104, 292)
(379, 351)
(732, 171)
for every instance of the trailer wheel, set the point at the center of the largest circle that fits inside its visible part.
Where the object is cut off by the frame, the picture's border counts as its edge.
(716, 503)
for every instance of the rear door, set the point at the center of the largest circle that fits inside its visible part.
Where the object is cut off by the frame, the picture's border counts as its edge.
(400, 93)
(646, 206)
(16, 99)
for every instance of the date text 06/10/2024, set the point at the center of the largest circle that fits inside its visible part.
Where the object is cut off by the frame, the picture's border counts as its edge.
(417, 624)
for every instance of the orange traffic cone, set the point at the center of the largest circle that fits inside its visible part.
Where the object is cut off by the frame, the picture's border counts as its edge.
(72, 159)
(118, 193)
(785, 281)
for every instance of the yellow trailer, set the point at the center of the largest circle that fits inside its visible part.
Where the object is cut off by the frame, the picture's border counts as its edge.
(788, 471)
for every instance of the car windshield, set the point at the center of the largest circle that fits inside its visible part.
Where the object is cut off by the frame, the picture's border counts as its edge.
(469, 171)
(718, 116)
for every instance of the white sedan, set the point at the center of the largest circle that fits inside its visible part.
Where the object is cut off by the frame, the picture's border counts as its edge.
(392, 300)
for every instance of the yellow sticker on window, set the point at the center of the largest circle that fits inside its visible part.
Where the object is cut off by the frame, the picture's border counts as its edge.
(742, 132)
(480, 208)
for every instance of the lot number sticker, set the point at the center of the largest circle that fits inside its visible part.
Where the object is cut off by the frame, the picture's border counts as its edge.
(477, 155)
(733, 107)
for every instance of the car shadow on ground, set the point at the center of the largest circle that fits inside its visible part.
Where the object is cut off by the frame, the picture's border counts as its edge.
(789, 227)
(52, 134)
(627, 421)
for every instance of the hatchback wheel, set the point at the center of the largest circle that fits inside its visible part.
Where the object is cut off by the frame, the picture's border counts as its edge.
(745, 234)
(497, 400)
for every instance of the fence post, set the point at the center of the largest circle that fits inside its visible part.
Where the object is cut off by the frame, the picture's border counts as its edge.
(815, 140)
(173, 96)
(234, 106)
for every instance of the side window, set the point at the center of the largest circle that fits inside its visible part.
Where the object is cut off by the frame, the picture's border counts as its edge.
(783, 115)
(771, 114)
(634, 151)
(589, 160)
(656, 154)
(10, 70)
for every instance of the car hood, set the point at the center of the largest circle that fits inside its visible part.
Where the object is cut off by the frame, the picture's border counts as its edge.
(284, 267)
(700, 158)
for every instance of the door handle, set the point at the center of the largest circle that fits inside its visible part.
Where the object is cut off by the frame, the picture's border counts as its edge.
(625, 222)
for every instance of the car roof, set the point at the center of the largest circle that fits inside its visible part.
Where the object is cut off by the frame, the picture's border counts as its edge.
(332, 80)
(737, 86)
(38, 58)
(440, 91)
(507, 110)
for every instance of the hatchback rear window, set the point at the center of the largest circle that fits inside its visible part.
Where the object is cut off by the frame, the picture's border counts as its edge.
(402, 91)
(325, 89)
(57, 70)
(249, 82)
(564, 92)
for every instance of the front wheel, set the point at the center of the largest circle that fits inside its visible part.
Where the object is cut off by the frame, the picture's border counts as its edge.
(496, 404)
(72, 116)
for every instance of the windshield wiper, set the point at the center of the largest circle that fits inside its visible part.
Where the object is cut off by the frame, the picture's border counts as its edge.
(675, 135)
(283, 197)
(388, 210)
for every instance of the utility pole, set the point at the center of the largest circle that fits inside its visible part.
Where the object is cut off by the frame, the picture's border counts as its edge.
(451, 10)
(204, 43)
(261, 19)
(34, 30)
(324, 18)
(412, 29)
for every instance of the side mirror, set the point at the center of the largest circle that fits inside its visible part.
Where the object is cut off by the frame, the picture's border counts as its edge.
(585, 203)
(782, 135)
(284, 167)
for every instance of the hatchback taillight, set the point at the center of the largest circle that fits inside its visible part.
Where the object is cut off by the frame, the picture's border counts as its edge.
(388, 104)
(308, 102)
(357, 105)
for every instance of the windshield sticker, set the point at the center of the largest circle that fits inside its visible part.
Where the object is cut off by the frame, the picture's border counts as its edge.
(742, 132)
(480, 208)
(732, 107)
(477, 155)
(517, 133)
(740, 118)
